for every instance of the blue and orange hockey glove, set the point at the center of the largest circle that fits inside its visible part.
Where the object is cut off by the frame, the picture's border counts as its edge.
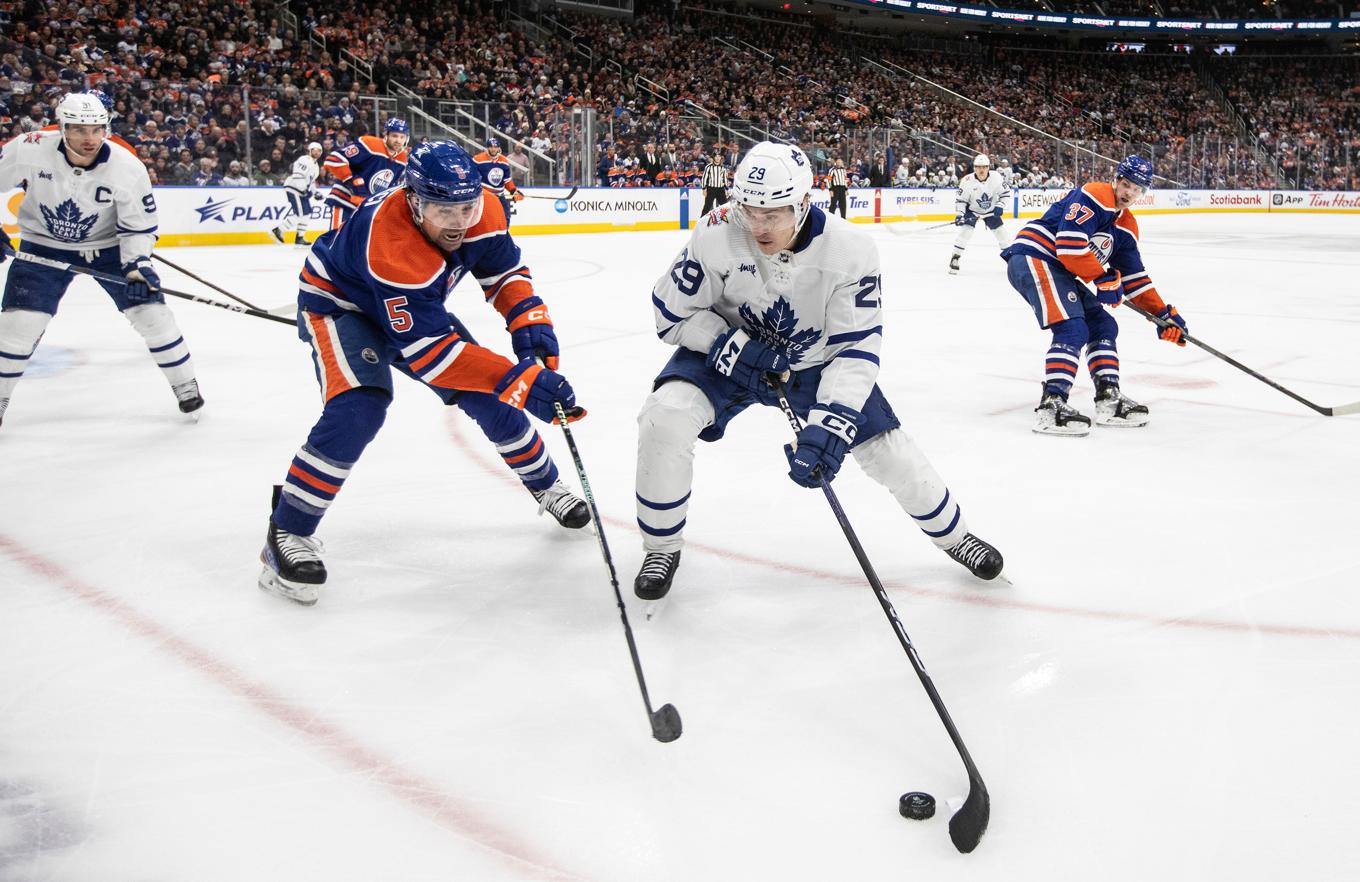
(1110, 288)
(1174, 332)
(531, 332)
(534, 388)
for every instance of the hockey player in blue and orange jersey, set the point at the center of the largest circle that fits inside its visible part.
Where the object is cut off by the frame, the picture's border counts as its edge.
(370, 165)
(495, 171)
(371, 300)
(1088, 237)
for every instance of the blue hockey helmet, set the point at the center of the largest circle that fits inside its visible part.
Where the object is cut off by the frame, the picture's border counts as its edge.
(441, 171)
(1136, 169)
(397, 125)
(493, 142)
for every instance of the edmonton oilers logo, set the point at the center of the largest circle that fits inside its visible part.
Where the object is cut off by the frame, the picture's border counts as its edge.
(560, 206)
(381, 181)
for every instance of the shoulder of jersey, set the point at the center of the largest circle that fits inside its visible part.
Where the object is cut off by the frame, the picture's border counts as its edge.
(715, 218)
(1101, 193)
(492, 222)
(848, 236)
(398, 254)
(373, 144)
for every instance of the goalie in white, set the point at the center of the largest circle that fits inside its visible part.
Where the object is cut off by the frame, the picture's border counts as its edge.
(982, 194)
(770, 284)
(298, 188)
(88, 203)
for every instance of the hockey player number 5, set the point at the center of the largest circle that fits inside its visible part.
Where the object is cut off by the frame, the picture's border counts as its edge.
(398, 314)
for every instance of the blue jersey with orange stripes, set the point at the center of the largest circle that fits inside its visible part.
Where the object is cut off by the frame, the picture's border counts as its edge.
(1086, 235)
(495, 172)
(381, 265)
(363, 169)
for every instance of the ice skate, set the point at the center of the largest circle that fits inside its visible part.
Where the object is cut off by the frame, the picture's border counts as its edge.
(954, 265)
(4, 403)
(300, 241)
(981, 559)
(1113, 408)
(570, 510)
(654, 579)
(276, 233)
(1057, 417)
(292, 566)
(187, 395)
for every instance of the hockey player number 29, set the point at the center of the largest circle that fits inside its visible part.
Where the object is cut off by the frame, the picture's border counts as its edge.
(867, 292)
(398, 314)
(687, 274)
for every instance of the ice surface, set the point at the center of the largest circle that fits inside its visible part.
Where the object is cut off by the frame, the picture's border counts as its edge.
(1167, 691)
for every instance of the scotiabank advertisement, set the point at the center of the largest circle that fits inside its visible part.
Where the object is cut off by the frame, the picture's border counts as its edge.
(244, 215)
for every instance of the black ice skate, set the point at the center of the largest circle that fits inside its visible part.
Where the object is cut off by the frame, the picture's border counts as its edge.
(654, 579)
(292, 565)
(276, 233)
(954, 265)
(1113, 408)
(187, 395)
(570, 510)
(300, 241)
(981, 559)
(1057, 417)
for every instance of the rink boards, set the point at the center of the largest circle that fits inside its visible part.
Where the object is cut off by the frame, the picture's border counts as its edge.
(244, 215)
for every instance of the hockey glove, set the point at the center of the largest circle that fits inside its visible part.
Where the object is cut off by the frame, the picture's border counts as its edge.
(143, 282)
(531, 332)
(958, 220)
(822, 442)
(517, 196)
(6, 250)
(745, 361)
(1175, 332)
(1110, 288)
(536, 389)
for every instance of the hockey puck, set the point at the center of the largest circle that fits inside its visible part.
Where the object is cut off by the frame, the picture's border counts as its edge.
(916, 806)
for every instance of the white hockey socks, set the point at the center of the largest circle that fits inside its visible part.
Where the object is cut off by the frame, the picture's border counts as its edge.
(668, 429)
(156, 323)
(961, 240)
(20, 331)
(893, 460)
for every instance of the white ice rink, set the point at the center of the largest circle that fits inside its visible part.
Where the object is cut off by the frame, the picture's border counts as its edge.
(1169, 690)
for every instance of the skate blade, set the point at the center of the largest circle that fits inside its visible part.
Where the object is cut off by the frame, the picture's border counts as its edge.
(1063, 431)
(269, 581)
(1113, 423)
(653, 608)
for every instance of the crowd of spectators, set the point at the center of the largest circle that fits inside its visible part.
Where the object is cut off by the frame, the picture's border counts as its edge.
(222, 93)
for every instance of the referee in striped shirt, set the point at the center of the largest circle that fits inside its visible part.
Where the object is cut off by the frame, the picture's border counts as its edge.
(715, 183)
(839, 182)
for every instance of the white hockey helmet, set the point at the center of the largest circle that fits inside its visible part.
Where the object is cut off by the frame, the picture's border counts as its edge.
(982, 160)
(82, 109)
(314, 146)
(773, 176)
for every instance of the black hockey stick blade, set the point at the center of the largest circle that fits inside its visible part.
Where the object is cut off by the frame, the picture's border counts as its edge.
(666, 724)
(970, 821)
(570, 193)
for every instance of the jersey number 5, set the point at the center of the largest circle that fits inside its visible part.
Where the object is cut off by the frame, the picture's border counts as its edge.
(398, 314)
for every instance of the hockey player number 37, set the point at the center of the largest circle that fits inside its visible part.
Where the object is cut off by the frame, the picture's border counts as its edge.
(1078, 208)
(398, 314)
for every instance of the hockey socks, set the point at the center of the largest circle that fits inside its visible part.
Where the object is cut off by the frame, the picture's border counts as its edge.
(158, 328)
(348, 423)
(518, 444)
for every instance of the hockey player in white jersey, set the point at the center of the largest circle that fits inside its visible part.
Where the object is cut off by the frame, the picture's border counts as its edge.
(982, 194)
(88, 202)
(298, 188)
(770, 284)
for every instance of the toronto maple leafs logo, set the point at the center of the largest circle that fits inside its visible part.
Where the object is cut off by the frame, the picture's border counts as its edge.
(66, 223)
(778, 326)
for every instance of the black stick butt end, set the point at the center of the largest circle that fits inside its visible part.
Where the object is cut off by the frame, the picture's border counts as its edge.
(666, 724)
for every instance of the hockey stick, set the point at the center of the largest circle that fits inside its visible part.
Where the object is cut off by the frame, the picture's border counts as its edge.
(665, 720)
(119, 280)
(1343, 410)
(536, 196)
(970, 821)
(202, 281)
(892, 228)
